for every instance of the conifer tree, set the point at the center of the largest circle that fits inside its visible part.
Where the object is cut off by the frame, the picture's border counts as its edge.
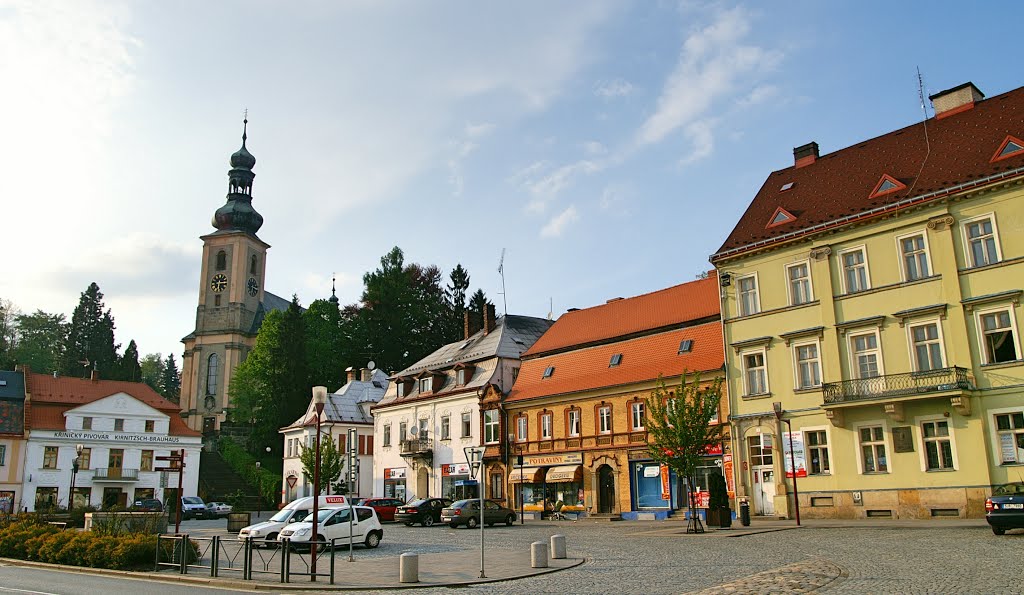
(90, 343)
(170, 383)
(129, 368)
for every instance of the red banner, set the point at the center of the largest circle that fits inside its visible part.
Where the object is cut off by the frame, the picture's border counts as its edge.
(666, 491)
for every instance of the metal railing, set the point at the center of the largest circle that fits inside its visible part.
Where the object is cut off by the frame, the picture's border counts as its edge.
(217, 556)
(419, 445)
(115, 474)
(896, 385)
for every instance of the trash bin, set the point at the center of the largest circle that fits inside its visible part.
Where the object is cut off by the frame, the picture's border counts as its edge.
(238, 520)
(745, 512)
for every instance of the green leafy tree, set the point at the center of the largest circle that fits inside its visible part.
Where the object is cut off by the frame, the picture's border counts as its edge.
(8, 333)
(170, 380)
(129, 367)
(151, 371)
(90, 343)
(41, 339)
(680, 431)
(324, 338)
(332, 462)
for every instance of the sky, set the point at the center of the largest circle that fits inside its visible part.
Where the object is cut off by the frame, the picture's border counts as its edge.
(605, 148)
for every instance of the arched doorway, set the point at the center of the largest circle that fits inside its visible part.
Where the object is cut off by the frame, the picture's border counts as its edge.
(605, 489)
(422, 483)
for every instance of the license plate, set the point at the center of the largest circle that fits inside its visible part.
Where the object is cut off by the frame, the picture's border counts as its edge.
(1017, 506)
(446, 519)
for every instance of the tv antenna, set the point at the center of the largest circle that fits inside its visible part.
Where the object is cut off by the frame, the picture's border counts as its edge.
(501, 271)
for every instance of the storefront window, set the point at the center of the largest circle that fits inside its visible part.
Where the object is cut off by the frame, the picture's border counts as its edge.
(648, 481)
(394, 488)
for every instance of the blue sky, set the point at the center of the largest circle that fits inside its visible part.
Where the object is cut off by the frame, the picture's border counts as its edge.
(608, 147)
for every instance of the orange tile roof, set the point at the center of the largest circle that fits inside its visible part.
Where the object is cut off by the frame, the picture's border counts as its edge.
(51, 397)
(625, 317)
(643, 359)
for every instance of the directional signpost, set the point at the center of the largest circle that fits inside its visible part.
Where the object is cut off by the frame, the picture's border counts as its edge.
(175, 463)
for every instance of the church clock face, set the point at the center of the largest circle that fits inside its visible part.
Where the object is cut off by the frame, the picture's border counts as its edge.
(252, 286)
(219, 283)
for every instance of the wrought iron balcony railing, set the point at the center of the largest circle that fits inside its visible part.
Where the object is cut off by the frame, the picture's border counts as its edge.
(416, 446)
(115, 474)
(896, 385)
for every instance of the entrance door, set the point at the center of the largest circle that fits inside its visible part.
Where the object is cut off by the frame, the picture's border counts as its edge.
(764, 491)
(114, 497)
(606, 490)
(422, 483)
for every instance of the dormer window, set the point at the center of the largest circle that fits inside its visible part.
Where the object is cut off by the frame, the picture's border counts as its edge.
(615, 361)
(548, 372)
(402, 386)
(426, 384)
(887, 185)
(463, 374)
(780, 217)
(1010, 147)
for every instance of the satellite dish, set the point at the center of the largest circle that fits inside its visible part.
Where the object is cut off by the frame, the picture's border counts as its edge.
(370, 365)
(412, 431)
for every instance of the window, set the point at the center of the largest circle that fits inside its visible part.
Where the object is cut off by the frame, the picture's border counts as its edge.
(460, 376)
(491, 435)
(938, 450)
(146, 462)
(755, 373)
(808, 366)
(400, 388)
(467, 424)
(914, 257)
(760, 449)
(855, 270)
(115, 460)
(387, 435)
(446, 427)
(573, 422)
(222, 260)
(747, 296)
(421, 429)
(290, 450)
(425, 385)
(866, 355)
(211, 374)
(798, 278)
(548, 371)
(46, 498)
(118, 425)
(604, 418)
(403, 431)
(1010, 428)
(496, 486)
(3, 455)
(521, 428)
(86, 423)
(685, 346)
(636, 415)
(872, 450)
(998, 336)
(150, 425)
(980, 236)
(545, 426)
(927, 347)
(252, 265)
(85, 459)
(616, 360)
(817, 452)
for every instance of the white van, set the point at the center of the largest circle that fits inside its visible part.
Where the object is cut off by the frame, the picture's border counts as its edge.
(293, 512)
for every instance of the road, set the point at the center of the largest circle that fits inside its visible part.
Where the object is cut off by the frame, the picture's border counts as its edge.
(38, 581)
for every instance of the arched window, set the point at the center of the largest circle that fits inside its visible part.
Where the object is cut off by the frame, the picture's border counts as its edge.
(211, 374)
(252, 265)
(222, 260)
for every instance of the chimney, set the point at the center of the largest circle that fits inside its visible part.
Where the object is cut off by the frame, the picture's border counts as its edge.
(955, 100)
(365, 374)
(615, 299)
(350, 374)
(94, 376)
(806, 154)
(470, 324)
(488, 318)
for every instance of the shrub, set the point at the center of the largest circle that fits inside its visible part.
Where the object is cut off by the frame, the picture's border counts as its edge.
(29, 539)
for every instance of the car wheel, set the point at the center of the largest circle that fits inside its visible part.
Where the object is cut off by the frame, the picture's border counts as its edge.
(998, 530)
(408, 524)
(373, 539)
(510, 520)
(427, 521)
(471, 522)
(271, 540)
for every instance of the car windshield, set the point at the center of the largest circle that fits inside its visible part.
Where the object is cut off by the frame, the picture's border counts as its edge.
(416, 503)
(1009, 489)
(281, 516)
(464, 504)
(192, 500)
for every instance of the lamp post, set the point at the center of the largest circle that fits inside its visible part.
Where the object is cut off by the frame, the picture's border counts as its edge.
(474, 456)
(74, 471)
(319, 399)
(779, 412)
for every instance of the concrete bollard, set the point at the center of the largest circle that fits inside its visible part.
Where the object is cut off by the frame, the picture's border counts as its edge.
(409, 568)
(558, 547)
(538, 554)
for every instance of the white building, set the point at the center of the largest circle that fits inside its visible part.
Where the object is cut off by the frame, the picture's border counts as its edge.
(348, 408)
(431, 412)
(122, 427)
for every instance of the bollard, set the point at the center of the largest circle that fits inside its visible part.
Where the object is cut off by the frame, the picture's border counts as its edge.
(557, 547)
(538, 554)
(409, 568)
(745, 512)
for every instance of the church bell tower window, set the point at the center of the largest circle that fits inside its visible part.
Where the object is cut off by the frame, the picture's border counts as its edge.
(211, 374)
(252, 265)
(222, 260)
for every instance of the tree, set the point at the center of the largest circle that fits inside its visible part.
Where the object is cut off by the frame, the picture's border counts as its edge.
(295, 390)
(41, 339)
(332, 462)
(129, 368)
(151, 371)
(170, 381)
(9, 314)
(324, 343)
(455, 293)
(90, 343)
(680, 431)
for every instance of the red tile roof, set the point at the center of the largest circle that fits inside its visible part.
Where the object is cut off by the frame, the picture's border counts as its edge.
(643, 359)
(959, 150)
(623, 318)
(51, 397)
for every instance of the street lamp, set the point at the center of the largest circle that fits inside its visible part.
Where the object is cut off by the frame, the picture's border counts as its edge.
(779, 412)
(74, 471)
(474, 456)
(319, 399)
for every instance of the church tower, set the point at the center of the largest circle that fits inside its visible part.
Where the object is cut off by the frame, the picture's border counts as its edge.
(231, 300)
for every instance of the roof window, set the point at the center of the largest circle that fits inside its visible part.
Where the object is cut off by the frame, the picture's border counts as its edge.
(886, 185)
(786, 186)
(686, 346)
(780, 217)
(1010, 147)
(548, 372)
(616, 360)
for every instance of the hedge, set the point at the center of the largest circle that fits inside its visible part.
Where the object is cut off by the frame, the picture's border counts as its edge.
(31, 539)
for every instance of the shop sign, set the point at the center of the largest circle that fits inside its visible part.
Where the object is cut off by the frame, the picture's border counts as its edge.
(394, 473)
(117, 437)
(703, 499)
(666, 490)
(727, 469)
(455, 469)
(798, 454)
(713, 450)
(570, 458)
(652, 471)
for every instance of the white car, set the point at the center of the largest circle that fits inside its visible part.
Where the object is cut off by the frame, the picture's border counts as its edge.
(293, 512)
(218, 509)
(334, 524)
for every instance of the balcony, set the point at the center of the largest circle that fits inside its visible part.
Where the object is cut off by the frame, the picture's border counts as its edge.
(892, 390)
(115, 474)
(421, 447)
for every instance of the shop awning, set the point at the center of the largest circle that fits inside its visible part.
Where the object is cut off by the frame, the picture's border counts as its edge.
(531, 475)
(565, 473)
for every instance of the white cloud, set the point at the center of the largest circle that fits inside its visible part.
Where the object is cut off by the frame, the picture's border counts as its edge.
(594, 148)
(557, 225)
(700, 134)
(613, 88)
(757, 95)
(462, 149)
(550, 185)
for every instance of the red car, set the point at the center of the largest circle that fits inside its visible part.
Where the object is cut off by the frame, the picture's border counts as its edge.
(385, 507)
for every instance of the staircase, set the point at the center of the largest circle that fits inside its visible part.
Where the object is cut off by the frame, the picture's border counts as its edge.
(218, 481)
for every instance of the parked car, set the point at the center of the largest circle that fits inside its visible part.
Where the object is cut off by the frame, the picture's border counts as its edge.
(294, 511)
(1005, 509)
(333, 523)
(467, 512)
(192, 507)
(218, 509)
(385, 507)
(425, 511)
(147, 505)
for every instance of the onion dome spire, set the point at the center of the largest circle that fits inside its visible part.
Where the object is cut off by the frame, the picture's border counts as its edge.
(334, 298)
(237, 214)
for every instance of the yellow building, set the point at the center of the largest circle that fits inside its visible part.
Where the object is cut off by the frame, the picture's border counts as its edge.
(871, 296)
(576, 414)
